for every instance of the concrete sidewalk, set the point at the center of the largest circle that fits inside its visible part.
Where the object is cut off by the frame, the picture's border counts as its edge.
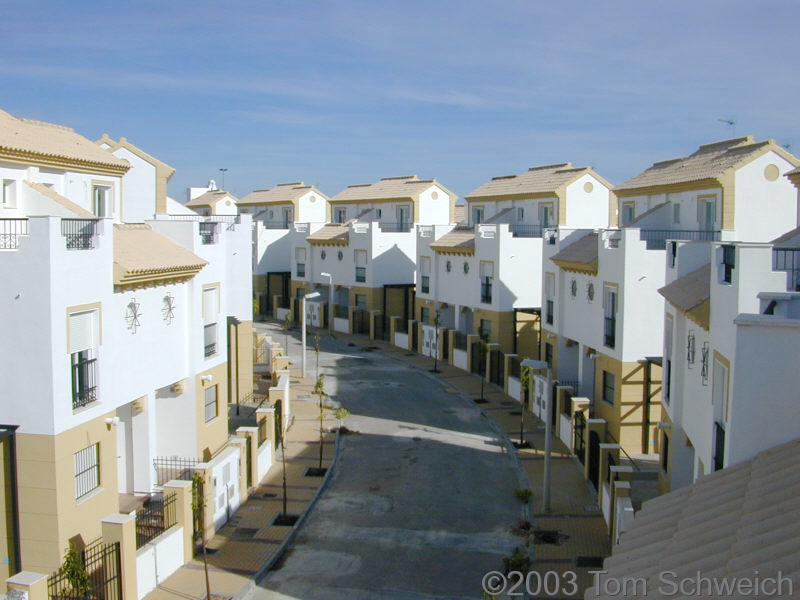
(248, 540)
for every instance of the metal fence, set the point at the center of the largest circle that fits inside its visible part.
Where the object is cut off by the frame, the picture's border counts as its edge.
(80, 234)
(102, 565)
(262, 431)
(173, 467)
(657, 238)
(208, 232)
(395, 227)
(788, 260)
(155, 517)
(340, 311)
(84, 380)
(460, 340)
(523, 230)
(10, 232)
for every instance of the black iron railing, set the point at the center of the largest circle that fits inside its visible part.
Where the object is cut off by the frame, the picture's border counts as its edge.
(788, 260)
(80, 234)
(460, 340)
(486, 290)
(426, 284)
(610, 331)
(208, 232)
(84, 380)
(361, 274)
(154, 518)
(276, 224)
(210, 339)
(10, 232)
(524, 230)
(102, 564)
(400, 227)
(168, 468)
(262, 431)
(657, 238)
(341, 311)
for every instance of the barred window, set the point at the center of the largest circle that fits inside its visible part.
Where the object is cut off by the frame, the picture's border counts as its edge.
(211, 403)
(87, 470)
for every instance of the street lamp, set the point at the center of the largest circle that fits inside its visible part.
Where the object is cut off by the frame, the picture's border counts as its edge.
(303, 329)
(548, 425)
(223, 177)
(330, 301)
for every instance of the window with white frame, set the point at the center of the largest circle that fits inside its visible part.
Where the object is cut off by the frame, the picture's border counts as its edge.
(609, 387)
(210, 318)
(211, 406)
(101, 200)
(83, 342)
(719, 389)
(549, 295)
(86, 470)
(628, 211)
(546, 215)
(9, 191)
(339, 214)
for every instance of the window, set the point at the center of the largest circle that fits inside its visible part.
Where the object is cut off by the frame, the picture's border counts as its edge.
(549, 294)
(210, 316)
(487, 275)
(676, 213)
(707, 213)
(477, 215)
(672, 252)
(361, 265)
(403, 218)
(520, 214)
(610, 316)
(668, 327)
(208, 233)
(424, 314)
(719, 446)
(87, 470)
(719, 389)
(608, 387)
(628, 210)
(425, 270)
(728, 263)
(665, 453)
(546, 215)
(83, 342)
(9, 192)
(211, 408)
(101, 200)
(485, 331)
(339, 215)
(548, 354)
(378, 213)
(300, 259)
(361, 301)
(286, 217)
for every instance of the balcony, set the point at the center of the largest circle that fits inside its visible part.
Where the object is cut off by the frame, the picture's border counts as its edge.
(400, 227)
(525, 230)
(208, 232)
(361, 274)
(656, 239)
(426, 284)
(277, 224)
(210, 339)
(80, 234)
(610, 332)
(11, 230)
(783, 259)
(84, 380)
(486, 290)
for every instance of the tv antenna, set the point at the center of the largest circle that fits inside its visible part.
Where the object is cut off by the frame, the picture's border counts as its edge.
(730, 122)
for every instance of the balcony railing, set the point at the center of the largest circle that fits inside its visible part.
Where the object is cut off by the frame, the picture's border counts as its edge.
(657, 238)
(263, 433)
(610, 332)
(514, 367)
(400, 227)
(549, 309)
(208, 232)
(486, 290)
(277, 224)
(10, 232)
(155, 517)
(210, 339)
(361, 274)
(84, 382)
(788, 260)
(460, 340)
(525, 230)
(426, 284)
(79, 233)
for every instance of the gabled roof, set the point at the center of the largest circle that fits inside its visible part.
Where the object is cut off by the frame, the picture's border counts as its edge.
(737, 522)
(144, 256)
(123, 142)
(210, 197)
(389, 188)
(460, 240)
(536, 181)
(49, 144)
(709, 162)
(281, 193)
(580, 256)
(66, 203)
(691, 295)
(794, 176)
(333, 234)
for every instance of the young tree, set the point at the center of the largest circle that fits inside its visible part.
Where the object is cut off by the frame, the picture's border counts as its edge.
(319, 389)
(283, 465)
(316, 351)
(74, 571)
(198, 507)
(287, 325)
(526, 381)
(484, 351)
(436, 322)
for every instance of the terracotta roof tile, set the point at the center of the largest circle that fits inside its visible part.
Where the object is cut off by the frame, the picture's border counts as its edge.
(389, 188)
(536, 180)
(281, 193)
(210, 197)
(458, 240)
(690, 291)
(332, 233)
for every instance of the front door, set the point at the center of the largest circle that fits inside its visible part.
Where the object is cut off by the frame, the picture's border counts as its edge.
(403, 218)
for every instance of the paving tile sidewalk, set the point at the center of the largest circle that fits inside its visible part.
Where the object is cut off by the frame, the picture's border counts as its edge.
(248, 540)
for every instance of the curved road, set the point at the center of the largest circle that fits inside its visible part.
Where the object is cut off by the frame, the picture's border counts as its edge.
(421, 501)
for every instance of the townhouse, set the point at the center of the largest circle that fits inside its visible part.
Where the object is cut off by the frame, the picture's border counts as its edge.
(363, 263)
(603, 326)
(731, 319)
(211, 201)
(274, 212)
(483, 277)
(125, 339)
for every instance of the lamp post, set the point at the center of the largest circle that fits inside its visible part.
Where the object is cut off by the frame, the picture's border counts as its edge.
(303, 330)
(223, 177)
(330, 301)
(548, 426)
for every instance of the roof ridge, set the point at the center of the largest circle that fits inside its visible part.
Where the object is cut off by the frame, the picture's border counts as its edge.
(45, 124)
(292, 183)
(400, 177)
(571, 169)
(669, 161)
(567, 165)
(360, 185)
(729, 142)
(504, 177)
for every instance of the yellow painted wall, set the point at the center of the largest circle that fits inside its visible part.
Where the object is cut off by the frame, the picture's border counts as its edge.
(528, 328)
(6, 515)
(212, 436)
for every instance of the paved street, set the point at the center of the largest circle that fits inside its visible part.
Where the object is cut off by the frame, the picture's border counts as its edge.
(421, 500)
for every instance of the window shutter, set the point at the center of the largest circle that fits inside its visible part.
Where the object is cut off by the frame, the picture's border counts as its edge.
(487, 269)
(82, 331)
(425, 265)
(300, 254)
(210, 305)
(361, 258)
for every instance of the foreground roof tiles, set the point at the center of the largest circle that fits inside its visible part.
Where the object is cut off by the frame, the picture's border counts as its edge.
(144, 256)
(334, 234)
(579, 256)
(460, 240)
(389, 188)
(740, 522)
(709, 162)
(54, 144)
(547, 179)
(281, 193)
(691, 294)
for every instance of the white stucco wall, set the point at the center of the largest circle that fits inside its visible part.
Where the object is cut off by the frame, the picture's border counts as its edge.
(434, 211)
(139, 185)
(587, 209)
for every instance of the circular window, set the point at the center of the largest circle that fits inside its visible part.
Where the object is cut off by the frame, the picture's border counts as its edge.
(588, 187)
(573, 288)
(434, 195)
(322, 255)
(340, 256)
(771, 172)
(227, 202)
(312, 199)
(590, 291)
(466, 267)
(449, 266)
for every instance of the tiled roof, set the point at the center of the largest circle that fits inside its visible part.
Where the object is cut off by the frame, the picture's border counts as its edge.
(210, 197)
(790, 238)
(54, 142)
(61, 200)
(389, 188)
(337, 234)
(580, 255)
(691, 293)
(460, 240)
(536, 180)
(737, 522)
(710, 161)
(281, 193)
(144, 255)
(460, 213)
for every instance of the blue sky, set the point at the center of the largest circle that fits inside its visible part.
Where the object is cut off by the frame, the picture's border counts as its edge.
(337, 93)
